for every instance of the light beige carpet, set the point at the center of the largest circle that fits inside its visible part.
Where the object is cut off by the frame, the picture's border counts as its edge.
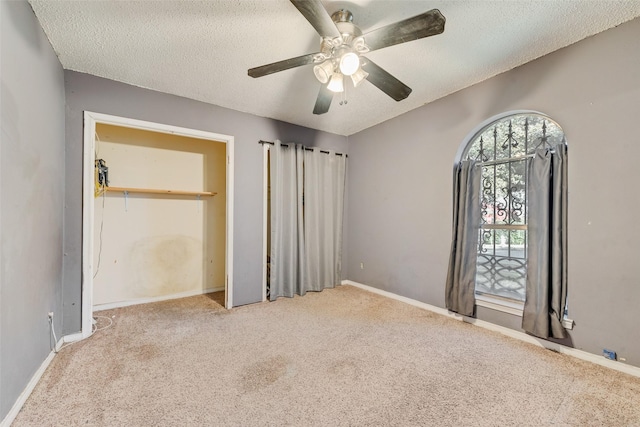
(342, 357)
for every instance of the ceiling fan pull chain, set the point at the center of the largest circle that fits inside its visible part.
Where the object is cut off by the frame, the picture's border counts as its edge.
(343, 101)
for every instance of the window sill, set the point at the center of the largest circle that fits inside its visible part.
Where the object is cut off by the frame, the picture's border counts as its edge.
(511, 307)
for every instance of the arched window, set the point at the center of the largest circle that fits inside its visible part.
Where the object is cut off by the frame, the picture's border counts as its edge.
(503, 149)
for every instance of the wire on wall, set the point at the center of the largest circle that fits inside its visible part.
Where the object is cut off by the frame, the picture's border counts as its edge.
(100, 238)
(53, 332)
(100, 190)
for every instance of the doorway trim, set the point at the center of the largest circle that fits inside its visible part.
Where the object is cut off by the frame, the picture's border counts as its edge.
(265, 216)
(90, 121)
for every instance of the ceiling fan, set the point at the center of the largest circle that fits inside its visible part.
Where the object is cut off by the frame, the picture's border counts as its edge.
(342, 47)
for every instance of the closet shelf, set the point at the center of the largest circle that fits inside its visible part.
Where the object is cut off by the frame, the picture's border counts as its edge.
(159, 191)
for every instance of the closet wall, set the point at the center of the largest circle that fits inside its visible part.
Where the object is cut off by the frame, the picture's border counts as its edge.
(153, 246)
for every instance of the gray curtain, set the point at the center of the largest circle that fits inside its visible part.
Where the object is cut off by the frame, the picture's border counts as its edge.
(461, 277)
(287, 234)
(324, 176)
(307, 204)
(546, 292)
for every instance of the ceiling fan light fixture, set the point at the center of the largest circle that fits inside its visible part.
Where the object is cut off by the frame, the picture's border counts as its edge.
(358, 77)
(336, 84)
(342, 50)
(349, 63)
(323, 71)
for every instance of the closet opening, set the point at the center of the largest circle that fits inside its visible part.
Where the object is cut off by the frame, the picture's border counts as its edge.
(157, 214)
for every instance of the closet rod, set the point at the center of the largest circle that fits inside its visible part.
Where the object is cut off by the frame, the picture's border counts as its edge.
(306, 148)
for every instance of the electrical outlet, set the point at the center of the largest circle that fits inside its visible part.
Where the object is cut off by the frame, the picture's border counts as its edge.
(50, 314)
(362, 266)
(609, 354)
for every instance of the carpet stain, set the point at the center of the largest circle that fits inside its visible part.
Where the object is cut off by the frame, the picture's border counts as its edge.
(346, 370)
(57, 370)
(113, 372)
(61, 365)
(264, 373)
(147, 352)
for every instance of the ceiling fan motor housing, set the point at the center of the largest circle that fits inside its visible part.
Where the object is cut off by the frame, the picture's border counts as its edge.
(342, 15)
(344, 22)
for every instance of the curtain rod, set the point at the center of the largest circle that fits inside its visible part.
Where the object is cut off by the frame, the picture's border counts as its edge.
(306, 148)
(509, 160)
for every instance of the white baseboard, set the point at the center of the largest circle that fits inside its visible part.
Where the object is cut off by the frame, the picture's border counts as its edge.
(580, 354)
(31, 385)
(118, 304)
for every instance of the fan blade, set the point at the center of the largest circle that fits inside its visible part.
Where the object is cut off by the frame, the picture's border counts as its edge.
(427, 24)
(281, 65)
(317, 16)
(385, 81)
(325, 96)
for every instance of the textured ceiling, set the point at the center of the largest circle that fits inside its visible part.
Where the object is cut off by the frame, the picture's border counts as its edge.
(203, 49)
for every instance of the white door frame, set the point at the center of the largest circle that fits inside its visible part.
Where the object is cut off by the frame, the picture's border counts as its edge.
(90, 120)
(265, 215)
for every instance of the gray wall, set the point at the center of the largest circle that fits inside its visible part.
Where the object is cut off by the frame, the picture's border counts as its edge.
(86, 92)
(400, 184)
(31, 197)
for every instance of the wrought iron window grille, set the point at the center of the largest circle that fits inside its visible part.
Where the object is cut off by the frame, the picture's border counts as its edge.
(503, 149)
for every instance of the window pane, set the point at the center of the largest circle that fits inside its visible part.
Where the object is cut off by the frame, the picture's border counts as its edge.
(501, 186)
(487, 242)
(501, 265)
(503, 193)
(517, 188)
(541, 130)
(518, 244)
(510, 137)
(501, 276)
(484, 142)
(519, 135)
(488, 199)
